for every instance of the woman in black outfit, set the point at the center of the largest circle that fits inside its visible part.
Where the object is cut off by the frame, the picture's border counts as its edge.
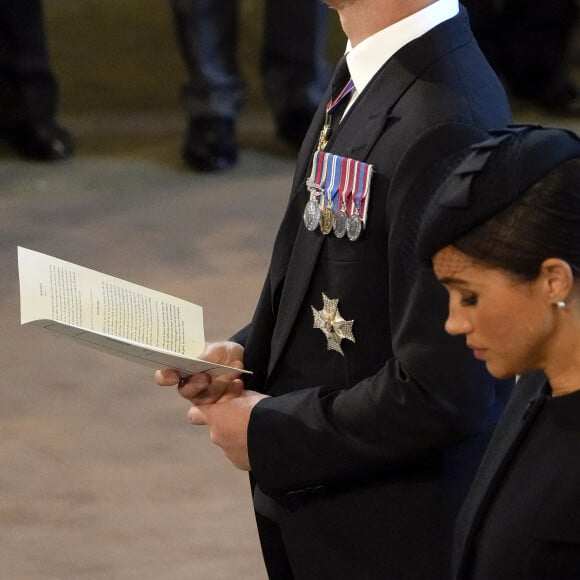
(503, 237)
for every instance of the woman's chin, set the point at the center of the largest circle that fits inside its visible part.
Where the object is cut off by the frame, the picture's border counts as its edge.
(500, 371)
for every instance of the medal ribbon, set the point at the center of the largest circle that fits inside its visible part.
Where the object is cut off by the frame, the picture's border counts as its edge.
(314, 182)
(333, 103)
(345, 185)
(359, 199)
(331, 106)
(331, 186)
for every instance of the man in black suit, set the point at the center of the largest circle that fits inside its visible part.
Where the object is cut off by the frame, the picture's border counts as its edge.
(366, 420)
(28, 88)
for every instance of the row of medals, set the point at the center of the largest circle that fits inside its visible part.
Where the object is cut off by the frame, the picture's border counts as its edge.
(327, 219)
(318, 215)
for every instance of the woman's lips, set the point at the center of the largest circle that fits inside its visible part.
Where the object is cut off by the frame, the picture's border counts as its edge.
(478, 353)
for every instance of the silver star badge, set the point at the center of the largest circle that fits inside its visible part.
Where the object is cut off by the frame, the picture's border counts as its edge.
(333, 325)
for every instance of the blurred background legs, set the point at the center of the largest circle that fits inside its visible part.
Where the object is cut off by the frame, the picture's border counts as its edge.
(530, 43)
(292, 67)
(28, 88)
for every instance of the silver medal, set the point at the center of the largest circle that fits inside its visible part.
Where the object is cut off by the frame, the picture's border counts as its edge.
(353, 227)
(339, 225)
(311, 215)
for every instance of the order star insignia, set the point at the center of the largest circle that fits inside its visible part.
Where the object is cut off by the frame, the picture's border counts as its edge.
(332, 324)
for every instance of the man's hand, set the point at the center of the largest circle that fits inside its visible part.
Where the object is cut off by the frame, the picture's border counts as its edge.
(228, 423)
(203, 388)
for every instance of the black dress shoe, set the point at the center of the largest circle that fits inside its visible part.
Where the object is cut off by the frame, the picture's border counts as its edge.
(210, 143)
(44, 141)
(292, 125)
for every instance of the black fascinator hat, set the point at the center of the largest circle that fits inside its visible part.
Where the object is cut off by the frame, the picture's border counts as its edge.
(491, 176)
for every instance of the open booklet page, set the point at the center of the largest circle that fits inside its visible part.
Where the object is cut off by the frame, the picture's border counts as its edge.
(113, 315)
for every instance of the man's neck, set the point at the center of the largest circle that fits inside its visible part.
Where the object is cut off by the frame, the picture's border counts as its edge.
(364, 18)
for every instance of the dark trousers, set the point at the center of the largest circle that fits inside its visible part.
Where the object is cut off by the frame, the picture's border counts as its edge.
(28, 89)
(292, 63)
(526, 41)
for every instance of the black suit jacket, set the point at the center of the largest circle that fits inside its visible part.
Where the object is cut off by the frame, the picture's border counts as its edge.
(362, 460)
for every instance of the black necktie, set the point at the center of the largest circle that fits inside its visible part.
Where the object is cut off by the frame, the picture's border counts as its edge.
(340, 77)
(341, 87)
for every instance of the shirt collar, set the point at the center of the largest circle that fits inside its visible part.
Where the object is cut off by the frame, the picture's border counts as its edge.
(365, 59)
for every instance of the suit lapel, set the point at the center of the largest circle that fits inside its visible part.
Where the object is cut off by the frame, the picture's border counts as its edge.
(290, 225)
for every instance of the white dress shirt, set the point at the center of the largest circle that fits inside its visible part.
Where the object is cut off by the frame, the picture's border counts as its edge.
(366, 58)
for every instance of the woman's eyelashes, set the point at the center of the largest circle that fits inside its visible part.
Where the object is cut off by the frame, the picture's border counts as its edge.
(469, 300)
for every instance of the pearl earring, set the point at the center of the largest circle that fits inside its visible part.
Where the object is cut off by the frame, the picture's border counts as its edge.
(560, 304)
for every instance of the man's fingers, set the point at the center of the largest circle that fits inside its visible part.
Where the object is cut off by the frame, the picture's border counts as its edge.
(194, 385)
(197, 414)
(235, 389)
(166, 377)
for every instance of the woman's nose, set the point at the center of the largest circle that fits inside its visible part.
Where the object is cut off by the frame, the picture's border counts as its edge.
(456, 323)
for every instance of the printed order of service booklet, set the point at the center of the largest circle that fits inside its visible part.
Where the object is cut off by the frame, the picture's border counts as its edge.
(112, 315)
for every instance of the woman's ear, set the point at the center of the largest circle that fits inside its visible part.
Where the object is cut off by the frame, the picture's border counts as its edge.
(557, 279)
